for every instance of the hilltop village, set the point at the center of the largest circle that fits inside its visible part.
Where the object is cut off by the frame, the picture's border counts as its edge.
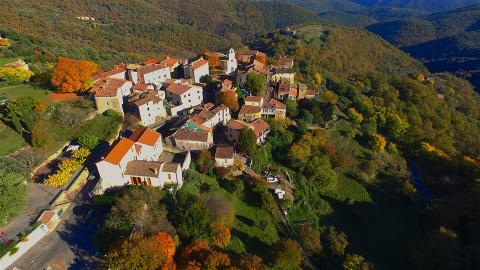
(181, 106)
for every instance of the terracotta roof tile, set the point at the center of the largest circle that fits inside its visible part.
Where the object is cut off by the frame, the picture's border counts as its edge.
(191, 135)
(253, 99)
(145, 136)
(259, 126)
(224, 152)
(248, 109)
(237, 124)
(178, 89)
(198, 63)
(170, 167)
(118, 151)
(143, 168)
(273, 103)
(108, 87)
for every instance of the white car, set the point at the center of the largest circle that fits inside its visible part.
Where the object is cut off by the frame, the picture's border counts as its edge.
(272, 179)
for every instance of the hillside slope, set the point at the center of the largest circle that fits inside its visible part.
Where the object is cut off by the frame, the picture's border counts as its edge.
(445, 41)
(430, 5)
(148, 27)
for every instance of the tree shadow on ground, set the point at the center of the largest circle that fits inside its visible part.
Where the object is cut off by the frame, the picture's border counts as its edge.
(78, 236)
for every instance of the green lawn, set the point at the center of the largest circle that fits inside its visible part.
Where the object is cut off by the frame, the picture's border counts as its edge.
(10, 140)
(247, 233)
(21, 90)
(6, 60)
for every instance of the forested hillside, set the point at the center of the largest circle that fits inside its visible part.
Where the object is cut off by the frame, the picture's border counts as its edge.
(142, 27)
(445, 41)
(430, 5)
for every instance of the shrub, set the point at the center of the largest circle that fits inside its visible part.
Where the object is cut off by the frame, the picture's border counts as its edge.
(39, 137)
(58, 179)
(81, 153)
(69, 165)
(88, 141)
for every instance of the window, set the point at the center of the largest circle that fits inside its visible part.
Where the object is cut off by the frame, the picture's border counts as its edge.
(169, 177)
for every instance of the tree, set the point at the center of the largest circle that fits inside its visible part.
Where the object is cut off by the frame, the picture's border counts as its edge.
(377, 142)
(319, 169)
(317, 78)
(298, 155)
(88, 141)
(204, 161)
(229, 99)
(17, 75)
(72, 75)
(287, 254)
(13, 192)
(251, 262)
(395, 126)
(355, 262)
(213, 59)
(248, 141)
(39, 137)
(4, 42)
(199, 255)
(191, 217)
(335, 241)
(220, 210)
(221, 235)
(69, 114)
(81, 153)
(19, 112)
(139, 252)
(355, 116)
(310, 238)
(255, 83)
(292, 108)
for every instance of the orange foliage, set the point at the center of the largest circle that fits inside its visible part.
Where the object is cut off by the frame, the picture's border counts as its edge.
(229, 98)
(72, 75)
(221, 235)
(199, 255)
(40, 107)
(167, 248)
(251, 262)
(214, 60)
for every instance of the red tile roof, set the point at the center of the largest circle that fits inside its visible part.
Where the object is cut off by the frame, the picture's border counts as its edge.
(140, 87)
(259, 126)
(170, 167)
(118, 151)
(178, 89)
(198, 63)
(170, 61)
(248, 109)
(145, 136)
(253, 99)
(108, 87)
(150, 61)
(191, 135)
(236, 124)
(224, 152)
(276, 104)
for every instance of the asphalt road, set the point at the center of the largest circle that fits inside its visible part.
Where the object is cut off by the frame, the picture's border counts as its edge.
(69, 246)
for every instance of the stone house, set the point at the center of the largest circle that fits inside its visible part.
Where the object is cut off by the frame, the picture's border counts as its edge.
(196, 70)
(224, 156)
(109, 93)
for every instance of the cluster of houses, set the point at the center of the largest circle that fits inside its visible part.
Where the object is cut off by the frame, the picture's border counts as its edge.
(170, 94)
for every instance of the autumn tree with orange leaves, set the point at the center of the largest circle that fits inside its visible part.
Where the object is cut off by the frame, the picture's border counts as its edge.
(72, 75)
(221, 235)
(199, 255)
(140, 252)
(251, 262)
(229, 99)
(213, 59)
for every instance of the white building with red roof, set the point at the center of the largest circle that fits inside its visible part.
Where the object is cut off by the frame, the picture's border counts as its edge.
(183, 96)
(196, 69)
(152, 74)
(110, 93)
(134, 160)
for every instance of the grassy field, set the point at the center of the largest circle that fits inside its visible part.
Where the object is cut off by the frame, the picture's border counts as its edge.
(6, 60)
(9, 91)
(10, 140)
(310, 33)
(246, 230)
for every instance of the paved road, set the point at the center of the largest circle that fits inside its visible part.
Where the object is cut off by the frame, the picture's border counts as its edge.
(39, 198)
(70, 244)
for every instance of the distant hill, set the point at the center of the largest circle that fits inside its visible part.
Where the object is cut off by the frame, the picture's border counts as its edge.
(339, 50)
(144, 27)
(321, 6)
(445, 41)
(430, 5)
